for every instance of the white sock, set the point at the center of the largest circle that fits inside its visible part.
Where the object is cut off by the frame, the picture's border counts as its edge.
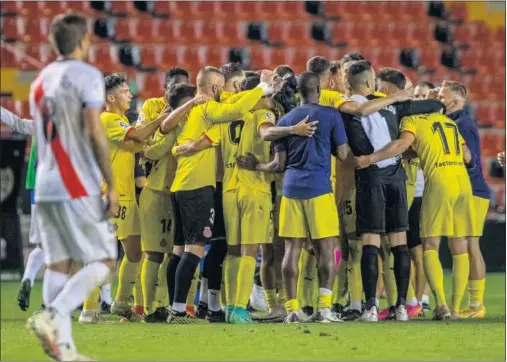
(179, 307)
(413, 302)
(79, 287)
(105, 294)
(355, 305)
(214, 300)
(65, 332)
(34, 262)
(203, 293)
(426, 299)
(377, 303)
(52, 285)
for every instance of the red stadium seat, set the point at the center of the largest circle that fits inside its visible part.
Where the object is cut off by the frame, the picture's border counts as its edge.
(146, 30)
(32, 51)
(277, 32)
(389, 57)
(123, 8)
(102, 58)
(258, 58)
(169, 57)
(183, 9)
(411, 11)
(188, 32)
(298, 34)
(162, 7)
(464, 33)
(293, 10)
(500, 34)
(123, 29)
(149, 56)
(9, 8)
(35, 30)
(268, 11)
(215, 56)
(192, 57)
(248, 10)
(361, 34)
(211, 10)
(152, 85)
(28, 8)
(52, 8)
(80, 7)
(10, 29)
(381, 34)
(8, 58)
(230, 34)
(166, 33)
(210, 33)
(500, 121)
(278, 56)
(458, 10)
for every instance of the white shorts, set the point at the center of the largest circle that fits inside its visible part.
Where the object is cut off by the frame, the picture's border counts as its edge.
(34, 234)
(75, 230)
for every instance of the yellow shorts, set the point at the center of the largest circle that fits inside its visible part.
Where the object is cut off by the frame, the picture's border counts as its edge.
(248, 215)
(126, 220)
(348, 210)
(410, 194)
(447, 208)
(157, 221)
(317, 217)
(481, 211)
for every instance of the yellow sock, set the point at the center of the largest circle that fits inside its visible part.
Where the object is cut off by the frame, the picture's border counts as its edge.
(308, 280)
(92, 301)
(389, 279)
(476, 292)
(138, 294)
(435, 275)
(271, 298)
(246, 273)
(192, 292)
(355, 280)
(149, 278)
(336, 294)
(161, 294)
(231, 267)
(127, 277)
(325, 296)
(292, 305)
(342, 283)
(460, 272)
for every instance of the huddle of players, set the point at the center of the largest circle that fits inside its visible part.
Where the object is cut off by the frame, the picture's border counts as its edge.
(373, 201)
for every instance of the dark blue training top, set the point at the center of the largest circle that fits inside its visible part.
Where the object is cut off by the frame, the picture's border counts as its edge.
(468, 130)
(308, 168)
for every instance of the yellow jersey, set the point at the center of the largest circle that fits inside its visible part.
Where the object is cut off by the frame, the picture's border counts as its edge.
(164, 163)
(438, 144)
(121, 154)
(238, 138)
(199, 170)
(151, 109)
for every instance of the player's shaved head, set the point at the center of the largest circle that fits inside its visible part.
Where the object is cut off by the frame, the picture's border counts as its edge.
(68, 33)
(282, 70)
(233, 75)
(177, 93)
(360, 76)
(210, 81)
(308, 84)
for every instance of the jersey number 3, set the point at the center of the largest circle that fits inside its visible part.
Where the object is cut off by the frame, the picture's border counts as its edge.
(437, 127)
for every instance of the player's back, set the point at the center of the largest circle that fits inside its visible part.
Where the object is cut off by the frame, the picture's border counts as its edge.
(438, 144)
(66, 167)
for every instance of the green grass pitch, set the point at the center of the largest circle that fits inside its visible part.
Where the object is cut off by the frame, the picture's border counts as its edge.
(416, 340)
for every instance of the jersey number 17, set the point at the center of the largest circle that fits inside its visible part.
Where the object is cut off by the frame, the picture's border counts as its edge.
(437, 127)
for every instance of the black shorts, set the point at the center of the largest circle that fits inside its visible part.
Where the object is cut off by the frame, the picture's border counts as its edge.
(381, 209)
(219, 222)
(196, 208)
(179, 237)
(413, 234)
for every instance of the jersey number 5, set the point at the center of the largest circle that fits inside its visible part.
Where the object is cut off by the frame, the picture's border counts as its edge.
(437, 127)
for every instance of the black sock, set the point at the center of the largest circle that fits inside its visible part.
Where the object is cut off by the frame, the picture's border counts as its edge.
(369, 272)
(171, 276)
(215, 261)
(184, 276)
(401, 272)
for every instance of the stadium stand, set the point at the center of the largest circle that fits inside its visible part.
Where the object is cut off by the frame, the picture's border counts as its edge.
(149, 37)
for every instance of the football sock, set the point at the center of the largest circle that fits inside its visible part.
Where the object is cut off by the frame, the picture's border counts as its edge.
(105, 293)
(214, 300)
(79, 286)
(127, 277)
(138, 293)
(389, 279)
(216, 256)
(342, 282)
(245, 282)
(336, 294)
(230, 278)
(184, 276)
(425, 299)
(292, 305)
(65, 332)
(476, 292)
(401, 272)
(355, 282)
(460, 272)
(171, 276)
(149, 279)
(203, 291)
(435, 275)
(369, 272)
(52, 285)
(411, 299)
(92, 300)
(161, 292)
(192, 292)
(325, 298)
(34, 262)
(271, 298)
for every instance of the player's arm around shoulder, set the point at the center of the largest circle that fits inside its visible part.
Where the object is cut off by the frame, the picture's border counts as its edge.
(339, 136)
(209, 139)
(161, 147)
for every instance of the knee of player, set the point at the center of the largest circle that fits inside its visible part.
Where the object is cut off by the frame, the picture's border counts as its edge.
(178, 250)
(234, 250)
(133, 256)
(154, 256)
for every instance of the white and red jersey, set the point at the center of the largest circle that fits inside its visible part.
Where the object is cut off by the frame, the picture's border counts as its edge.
(66, 166)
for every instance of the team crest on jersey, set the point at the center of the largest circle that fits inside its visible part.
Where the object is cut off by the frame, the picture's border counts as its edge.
(124, 125)
(269, 117)
(163, 243)
(207, 232)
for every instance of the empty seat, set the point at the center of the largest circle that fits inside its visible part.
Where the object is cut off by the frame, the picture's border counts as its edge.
(248, 10)
(9, 8)
(230, 34)
(146, 30)
(166, 32)
(35, 30)
(123, 8)
(212, 10)
(188, 32)
(152, 85)
(28, 8)
(10, 30)
(278, 56)
(52, 8)
(277, 32)
(169, 57)
(298, 34)
(80, 7)
(149, 57)
(123, 30)
(8, 58)
(102, 59)
(183, 9)
(162, 8)
(258, 58)
(210, 33)
(214, 56)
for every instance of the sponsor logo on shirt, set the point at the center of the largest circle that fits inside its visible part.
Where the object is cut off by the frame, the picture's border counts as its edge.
(124, 125)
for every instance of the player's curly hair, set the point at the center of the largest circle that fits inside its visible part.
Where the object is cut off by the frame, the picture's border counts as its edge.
(173, 72)
(114, 80)
(177, 92)
(250, 82)
(286, 99)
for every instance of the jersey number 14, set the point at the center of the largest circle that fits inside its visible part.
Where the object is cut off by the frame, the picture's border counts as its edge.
(437, 127)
